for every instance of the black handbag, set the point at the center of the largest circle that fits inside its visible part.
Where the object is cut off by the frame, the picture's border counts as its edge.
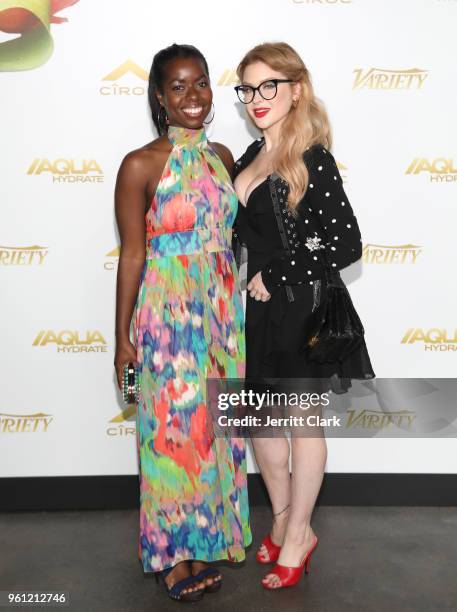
(333, 330)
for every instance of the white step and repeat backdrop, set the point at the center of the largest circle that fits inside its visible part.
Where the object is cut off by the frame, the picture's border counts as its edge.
(73, 102)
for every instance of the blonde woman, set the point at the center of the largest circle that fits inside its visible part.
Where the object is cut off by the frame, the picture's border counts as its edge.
(292, 203)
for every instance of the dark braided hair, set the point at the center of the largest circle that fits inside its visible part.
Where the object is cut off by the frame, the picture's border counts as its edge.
(157, 75)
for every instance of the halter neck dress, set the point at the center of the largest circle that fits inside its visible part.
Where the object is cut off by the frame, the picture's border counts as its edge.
(188, 325)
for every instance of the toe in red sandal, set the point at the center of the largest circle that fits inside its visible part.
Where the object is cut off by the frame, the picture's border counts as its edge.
(273, 551)
(289, 576)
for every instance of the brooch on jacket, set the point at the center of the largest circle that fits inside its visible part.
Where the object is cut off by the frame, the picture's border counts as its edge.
(313, 243)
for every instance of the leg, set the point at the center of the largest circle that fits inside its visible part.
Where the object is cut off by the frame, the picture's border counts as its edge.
(272, 457)
(309, 456)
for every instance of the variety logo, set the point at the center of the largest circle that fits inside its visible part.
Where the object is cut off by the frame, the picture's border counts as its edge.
(439, 169)
(22, 256)
(377, 419)
(434, 339)
(391, 254)
(25, 423)
(378, 78)
(112, 259)
(31, 19)
(68, 170)
(127, 69)
(122, 423)
(69, 341)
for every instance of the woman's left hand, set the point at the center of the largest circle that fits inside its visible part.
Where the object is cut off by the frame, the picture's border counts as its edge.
(257, 289)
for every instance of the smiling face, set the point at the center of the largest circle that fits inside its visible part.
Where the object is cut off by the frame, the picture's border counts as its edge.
(266, 113)
(186, 92)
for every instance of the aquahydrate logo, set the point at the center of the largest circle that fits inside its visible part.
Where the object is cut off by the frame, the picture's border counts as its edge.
(72, 341)
(379, 78)
(391, 254)
(123, 424)
(433, 339)
(64, 170)
(132, 76)
(24, 423)
(22, 255)
(438, 169)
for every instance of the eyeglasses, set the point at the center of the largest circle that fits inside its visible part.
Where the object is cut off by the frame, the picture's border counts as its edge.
(267, 89)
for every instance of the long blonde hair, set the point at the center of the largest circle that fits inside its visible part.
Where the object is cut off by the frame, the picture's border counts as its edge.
(306, 124)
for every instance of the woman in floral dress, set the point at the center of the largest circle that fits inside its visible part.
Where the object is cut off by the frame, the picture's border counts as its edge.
(180, 317)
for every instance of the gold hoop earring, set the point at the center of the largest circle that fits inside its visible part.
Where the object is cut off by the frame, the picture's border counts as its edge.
(214, 112)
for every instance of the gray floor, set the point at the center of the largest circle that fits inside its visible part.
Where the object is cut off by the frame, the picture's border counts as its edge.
(368, 559)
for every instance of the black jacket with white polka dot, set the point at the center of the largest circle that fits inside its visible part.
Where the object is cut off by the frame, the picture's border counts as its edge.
(325, 223)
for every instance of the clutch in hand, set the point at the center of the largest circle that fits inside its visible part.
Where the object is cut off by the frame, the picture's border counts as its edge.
(130, 383)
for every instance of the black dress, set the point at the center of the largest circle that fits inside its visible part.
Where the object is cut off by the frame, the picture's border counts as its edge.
(274, 328)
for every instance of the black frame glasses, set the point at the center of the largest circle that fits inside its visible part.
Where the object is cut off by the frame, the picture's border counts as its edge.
(247, 99)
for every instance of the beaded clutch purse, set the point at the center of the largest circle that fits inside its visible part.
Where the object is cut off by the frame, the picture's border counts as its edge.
(130, 383)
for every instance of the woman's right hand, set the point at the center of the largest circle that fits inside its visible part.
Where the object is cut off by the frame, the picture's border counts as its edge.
(125, 352)
(257, 289)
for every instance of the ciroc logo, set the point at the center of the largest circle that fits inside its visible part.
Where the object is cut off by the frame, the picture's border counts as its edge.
(128, 69)
(343, 169)
(228, 77)
(112, 259)
(120, 423)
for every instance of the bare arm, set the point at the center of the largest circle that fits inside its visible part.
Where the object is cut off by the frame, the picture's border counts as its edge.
(130, 204)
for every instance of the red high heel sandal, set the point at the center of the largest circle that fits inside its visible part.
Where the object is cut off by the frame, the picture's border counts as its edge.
(273, 551)
(289, 576)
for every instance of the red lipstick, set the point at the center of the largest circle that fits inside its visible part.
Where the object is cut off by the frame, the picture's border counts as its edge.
(261, 112)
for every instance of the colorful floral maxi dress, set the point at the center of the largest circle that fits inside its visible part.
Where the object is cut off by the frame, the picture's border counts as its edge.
(188, 325)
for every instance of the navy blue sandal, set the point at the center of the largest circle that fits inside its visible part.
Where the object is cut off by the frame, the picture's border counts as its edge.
(176, 591)
(210, 571)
